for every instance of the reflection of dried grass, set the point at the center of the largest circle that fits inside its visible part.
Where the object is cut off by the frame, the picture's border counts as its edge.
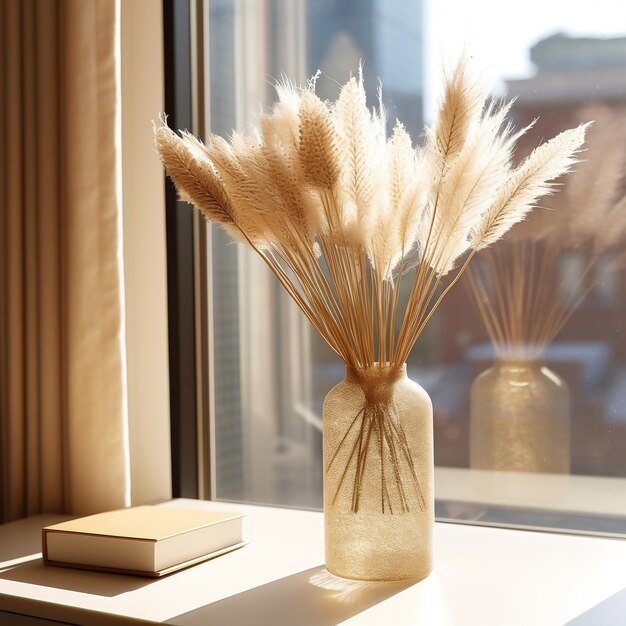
(589, 200)
(339, 212)
(589, 212)
(516, 285)
(519, 297)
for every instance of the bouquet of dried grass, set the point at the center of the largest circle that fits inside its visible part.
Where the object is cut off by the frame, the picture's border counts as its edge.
(518, 285)
(342, 214)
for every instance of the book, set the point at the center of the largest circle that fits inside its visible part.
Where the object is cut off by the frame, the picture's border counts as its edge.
(142, 540)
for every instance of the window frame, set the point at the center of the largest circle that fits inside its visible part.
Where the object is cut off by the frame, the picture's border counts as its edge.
(181, 262)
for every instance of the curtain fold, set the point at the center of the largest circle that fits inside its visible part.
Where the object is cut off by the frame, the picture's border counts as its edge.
(64, 430)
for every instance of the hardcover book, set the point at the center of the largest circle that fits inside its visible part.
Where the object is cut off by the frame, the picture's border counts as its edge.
(142, 540)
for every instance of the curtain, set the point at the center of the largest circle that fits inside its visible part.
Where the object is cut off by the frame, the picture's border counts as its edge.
(63, 416)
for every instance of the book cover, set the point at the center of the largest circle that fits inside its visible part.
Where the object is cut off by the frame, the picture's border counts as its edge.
(143, 540)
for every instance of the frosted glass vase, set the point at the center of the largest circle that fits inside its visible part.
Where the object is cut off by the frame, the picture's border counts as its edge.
(378, 476)
(519, 419)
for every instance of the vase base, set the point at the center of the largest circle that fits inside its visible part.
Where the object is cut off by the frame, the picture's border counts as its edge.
(382, 579)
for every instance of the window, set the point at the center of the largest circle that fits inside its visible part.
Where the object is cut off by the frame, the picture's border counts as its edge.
(268, 372)
(271, 371)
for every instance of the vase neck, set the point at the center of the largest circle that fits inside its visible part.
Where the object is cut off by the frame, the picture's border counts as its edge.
(376, 370)
(376, 381)
(519, 353)
(520, 364)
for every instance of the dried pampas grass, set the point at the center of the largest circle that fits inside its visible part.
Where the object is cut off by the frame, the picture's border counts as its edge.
(342, 214)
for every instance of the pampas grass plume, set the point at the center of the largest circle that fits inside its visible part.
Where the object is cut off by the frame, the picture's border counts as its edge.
(341, 213)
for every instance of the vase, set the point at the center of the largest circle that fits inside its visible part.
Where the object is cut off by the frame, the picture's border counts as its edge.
(519, 419)
(378, 476)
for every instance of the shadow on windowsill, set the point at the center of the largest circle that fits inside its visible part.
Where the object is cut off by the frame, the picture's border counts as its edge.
(83, 581)
(20, 541)
(610, 612)
(313, 597)
(20, 561)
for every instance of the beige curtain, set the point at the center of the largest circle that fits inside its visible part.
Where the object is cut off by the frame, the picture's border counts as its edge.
(64, 441)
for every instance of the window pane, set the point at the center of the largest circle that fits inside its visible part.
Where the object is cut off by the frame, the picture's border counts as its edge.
(566, 64)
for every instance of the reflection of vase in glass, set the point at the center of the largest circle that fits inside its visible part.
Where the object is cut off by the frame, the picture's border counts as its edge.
(519, 419)
(378, 476)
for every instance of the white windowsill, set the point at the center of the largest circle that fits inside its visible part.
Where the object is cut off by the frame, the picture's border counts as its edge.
(592, 495)
(483, 576)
